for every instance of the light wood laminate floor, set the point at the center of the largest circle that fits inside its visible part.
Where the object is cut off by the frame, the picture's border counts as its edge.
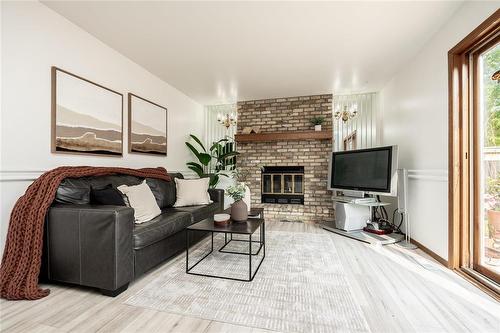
(398, 291)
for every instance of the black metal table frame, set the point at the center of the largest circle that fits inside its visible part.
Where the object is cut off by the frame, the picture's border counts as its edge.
(262, 246)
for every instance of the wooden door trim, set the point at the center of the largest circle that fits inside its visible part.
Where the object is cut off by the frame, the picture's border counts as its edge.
(476, 216)
(459, 98)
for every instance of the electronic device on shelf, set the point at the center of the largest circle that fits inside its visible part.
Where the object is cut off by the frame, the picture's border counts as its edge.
(378, 227)
(370, 171)
(350, 217)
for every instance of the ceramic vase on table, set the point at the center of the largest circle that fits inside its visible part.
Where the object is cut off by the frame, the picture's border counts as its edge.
(239, 211)
(317, 128)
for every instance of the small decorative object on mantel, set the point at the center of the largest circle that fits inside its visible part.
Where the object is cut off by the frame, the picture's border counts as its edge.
(317, 121)
(239, 209)
(222, 219)
(251, 129)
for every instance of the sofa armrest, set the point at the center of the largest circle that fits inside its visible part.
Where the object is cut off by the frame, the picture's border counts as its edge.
(217, 195)
(90, 245)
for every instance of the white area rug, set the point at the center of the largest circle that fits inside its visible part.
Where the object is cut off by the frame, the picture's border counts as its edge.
(300, 287)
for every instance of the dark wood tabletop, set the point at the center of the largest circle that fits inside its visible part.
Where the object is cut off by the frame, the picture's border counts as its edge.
(253, 211)
(248, 227)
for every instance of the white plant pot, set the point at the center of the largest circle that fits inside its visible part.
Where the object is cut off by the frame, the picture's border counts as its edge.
(248, 197)
(317, 128)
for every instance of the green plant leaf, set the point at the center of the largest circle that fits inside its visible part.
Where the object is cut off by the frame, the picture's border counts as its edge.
(198, 142)
(228, 155)
(195, 167)
(198, 172)
(214, 179)
(193, 149)
(204, 158)
(216, 147)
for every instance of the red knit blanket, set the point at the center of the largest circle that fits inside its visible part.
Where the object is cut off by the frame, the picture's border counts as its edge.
(23, 249)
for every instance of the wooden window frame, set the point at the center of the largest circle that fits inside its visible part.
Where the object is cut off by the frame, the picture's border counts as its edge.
(460, 99)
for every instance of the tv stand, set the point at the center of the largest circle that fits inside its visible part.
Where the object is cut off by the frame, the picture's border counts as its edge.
(371, 205)
(353, 200)
(353, 214)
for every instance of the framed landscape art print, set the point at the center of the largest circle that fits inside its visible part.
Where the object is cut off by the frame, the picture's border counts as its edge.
(147, 126)
(87, 118)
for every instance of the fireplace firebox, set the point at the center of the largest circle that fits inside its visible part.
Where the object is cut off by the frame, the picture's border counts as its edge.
(282, 185)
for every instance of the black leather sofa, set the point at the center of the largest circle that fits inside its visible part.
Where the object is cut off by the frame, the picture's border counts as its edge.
(101, 246)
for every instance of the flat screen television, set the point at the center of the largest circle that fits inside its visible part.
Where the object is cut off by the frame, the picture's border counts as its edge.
(372, 170)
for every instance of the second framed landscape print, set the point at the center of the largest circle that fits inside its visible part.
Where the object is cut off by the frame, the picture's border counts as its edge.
(147, 126)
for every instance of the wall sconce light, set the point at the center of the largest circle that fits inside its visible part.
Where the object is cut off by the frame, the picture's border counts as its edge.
(347, 113)
(226, 120)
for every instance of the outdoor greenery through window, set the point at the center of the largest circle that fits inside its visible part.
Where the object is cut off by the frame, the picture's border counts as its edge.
(489, 64)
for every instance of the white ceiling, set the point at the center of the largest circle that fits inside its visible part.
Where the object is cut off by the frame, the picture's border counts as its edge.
(218, 52)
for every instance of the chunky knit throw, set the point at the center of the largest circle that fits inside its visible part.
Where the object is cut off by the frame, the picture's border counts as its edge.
(23, 249)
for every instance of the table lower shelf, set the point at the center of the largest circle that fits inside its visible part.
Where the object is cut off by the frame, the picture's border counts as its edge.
(253, 252)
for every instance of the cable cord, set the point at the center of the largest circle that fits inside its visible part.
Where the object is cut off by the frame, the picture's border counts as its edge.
(398, 227)
(384, 213)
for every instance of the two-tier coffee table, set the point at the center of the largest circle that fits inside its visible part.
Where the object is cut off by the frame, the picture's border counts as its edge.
(247, 228)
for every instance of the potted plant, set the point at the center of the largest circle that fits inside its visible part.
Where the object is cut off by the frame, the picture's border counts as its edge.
(241, 176)
(239, 209)
(317, 121)
(492, 204)
(214, 161)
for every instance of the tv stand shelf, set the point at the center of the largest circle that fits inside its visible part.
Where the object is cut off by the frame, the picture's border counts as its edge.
(284, 136)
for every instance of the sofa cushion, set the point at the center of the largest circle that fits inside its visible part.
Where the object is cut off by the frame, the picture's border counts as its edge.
(73, 191)
(142, 200)
(192, 192)
(160, 228)
(107, 195)
(199, 212)
(115, 180)
(163, 191)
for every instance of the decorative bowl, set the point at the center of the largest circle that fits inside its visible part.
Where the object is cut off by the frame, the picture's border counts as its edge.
(222, 219)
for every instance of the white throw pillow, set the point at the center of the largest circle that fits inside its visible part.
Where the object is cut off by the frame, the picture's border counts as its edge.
(142, 200)
(192, 192)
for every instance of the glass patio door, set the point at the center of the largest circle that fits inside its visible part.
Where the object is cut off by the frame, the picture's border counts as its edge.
(485, 231)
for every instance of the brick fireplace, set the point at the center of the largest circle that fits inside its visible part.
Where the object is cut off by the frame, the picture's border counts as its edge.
(286, 141)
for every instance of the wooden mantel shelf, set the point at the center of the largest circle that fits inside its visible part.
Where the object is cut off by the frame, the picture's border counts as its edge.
(284, 136)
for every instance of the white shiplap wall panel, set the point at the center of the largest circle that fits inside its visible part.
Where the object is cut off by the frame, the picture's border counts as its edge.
(365, 123)
(214, 131)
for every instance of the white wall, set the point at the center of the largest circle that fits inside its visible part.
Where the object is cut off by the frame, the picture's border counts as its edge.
(34, 38)
(415, 117)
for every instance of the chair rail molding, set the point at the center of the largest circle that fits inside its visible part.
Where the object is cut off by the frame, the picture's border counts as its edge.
(434, 175)
(437, 175)
(20, 175)
(31, 175)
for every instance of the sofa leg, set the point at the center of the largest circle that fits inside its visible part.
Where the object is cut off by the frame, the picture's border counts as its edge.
(114, 293)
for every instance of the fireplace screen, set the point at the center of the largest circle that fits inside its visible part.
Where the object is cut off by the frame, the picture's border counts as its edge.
(283, 185)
